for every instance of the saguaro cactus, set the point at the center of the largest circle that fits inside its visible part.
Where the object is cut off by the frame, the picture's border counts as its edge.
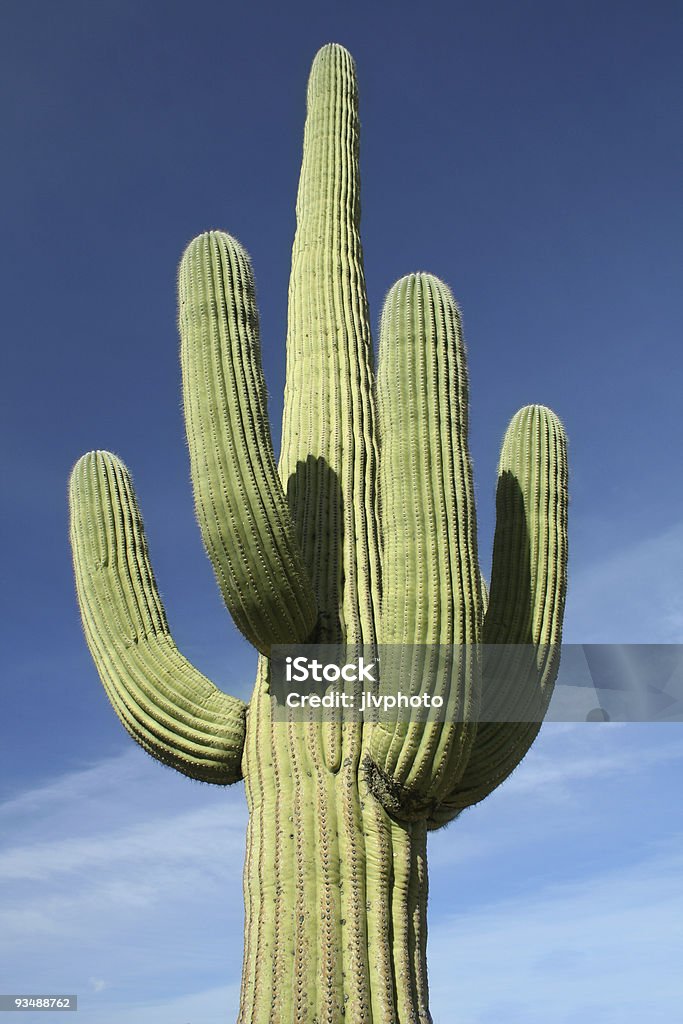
(365, 533)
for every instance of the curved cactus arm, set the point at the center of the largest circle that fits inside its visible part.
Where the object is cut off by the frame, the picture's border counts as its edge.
(169, 707)
(523, 623)
(432, 595)
(245, 522)
(329, 452)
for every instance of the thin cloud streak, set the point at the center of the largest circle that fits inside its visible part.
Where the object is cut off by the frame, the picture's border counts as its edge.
(607, 948)
(574, 791)
(633, 596)
(548, 770)
(215, 1005)
(112, 872)
(126, 873)
(169, 840)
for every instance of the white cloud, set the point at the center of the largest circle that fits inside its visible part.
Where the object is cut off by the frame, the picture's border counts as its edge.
(217, 1005)
(112, 872)
(76, 785)
(122, 882)
(169, 841)
(604, 949)
(633, 596)
(571, 909)
(596, 752)
(578, 781)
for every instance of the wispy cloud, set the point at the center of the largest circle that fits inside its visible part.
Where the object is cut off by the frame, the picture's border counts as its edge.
(633, 596)
(605, 949)
(122, 882)
(110, 879)
(171, 841)
(215, 1005)
(586, 752)
(576, 786)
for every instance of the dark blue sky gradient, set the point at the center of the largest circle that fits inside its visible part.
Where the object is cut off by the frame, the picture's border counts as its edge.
(527, 153)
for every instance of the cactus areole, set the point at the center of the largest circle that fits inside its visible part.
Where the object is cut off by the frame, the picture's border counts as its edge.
(364, 533)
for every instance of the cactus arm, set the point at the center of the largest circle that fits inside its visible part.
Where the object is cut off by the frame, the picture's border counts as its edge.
(527, 595)
(246, 525)
(432, 593)
(529, 570)
(170, 708)
(329, 452)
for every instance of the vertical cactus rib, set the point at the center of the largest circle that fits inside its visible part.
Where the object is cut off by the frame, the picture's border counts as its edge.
(379, 880)
(259, 880)
(169, 707)
(328, 457)
(409, 914)
(431, 594)
(419, 888)
(523, 624)
(353, 894)
(245, 522)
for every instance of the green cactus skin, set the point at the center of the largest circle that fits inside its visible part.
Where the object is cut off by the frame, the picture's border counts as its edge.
(169, 707)
(245, 522)
(364, 533)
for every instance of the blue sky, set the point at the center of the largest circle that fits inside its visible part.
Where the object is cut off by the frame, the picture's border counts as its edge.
(529, 155)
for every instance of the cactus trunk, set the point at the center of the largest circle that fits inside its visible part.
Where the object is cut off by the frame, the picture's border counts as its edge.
(364, 533)
(335, 891)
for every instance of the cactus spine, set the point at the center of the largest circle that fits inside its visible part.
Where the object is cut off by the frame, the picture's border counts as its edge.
(365, 532)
